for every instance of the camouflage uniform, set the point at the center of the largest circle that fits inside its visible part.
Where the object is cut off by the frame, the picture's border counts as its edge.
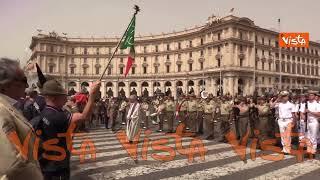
(192, 115)
(145, 114)
(170, 114)
(200, 112)
(222, 125)
(263, 123)
(209, 115)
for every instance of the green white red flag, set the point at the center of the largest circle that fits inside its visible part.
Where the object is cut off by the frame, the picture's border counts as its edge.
(129, 43)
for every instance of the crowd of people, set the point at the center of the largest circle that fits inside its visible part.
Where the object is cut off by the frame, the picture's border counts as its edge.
(45, 115)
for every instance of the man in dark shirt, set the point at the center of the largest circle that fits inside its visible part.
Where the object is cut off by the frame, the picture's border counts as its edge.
(54, 121)
(34, 105)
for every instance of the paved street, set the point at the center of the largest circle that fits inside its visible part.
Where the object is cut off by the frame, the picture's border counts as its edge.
(221, 162)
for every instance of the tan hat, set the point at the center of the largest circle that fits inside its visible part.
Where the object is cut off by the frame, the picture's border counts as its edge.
(313, 92)
(53, 87)
(284, 93)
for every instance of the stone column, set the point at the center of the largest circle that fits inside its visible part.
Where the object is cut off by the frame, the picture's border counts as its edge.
(151, 91)
(231, 86)
(214, 86)
(127, 88)
(225, 85)
(162, 88)
(174, 89)
(103, 89)
(235, 85)
(116, 88)
(185, 86)
(78, 88)
(139, 91)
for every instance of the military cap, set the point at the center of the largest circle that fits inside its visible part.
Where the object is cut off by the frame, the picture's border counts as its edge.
(284, 93)
(53, 87)
(262, 98)
(313, 92)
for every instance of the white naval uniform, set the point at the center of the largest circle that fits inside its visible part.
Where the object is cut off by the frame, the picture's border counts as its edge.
(312, 126)
(285, 119)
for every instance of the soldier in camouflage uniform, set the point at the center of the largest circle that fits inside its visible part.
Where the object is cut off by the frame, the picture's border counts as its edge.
(200, 111)
(145, 113)
(209, 114)
(264, 114)
(192, 113)
(182, 109)
(160, 111)
(222, 125)
(169, 113)
(243, 118)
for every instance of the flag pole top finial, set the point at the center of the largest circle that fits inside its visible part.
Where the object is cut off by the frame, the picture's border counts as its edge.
(136, 8)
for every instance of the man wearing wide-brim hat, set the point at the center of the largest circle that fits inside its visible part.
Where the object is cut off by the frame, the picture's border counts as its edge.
(56, 121)
(311, 113)
(286, 119)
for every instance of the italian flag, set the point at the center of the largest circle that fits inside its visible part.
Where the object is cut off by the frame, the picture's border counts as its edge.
(129, 43)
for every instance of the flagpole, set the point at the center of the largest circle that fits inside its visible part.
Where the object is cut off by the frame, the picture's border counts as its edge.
(280, 58)
(137, 9)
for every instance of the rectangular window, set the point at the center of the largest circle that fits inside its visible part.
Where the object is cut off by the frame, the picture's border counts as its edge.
(179, 67)
(269, 66)
(241, 62)
(50, 69)
(219, 49)
(51, 48)
(97, 70)
(190, 43)
(179, 45)
(85, 71)
(157, 48)
(133, 70)
(144, 49)
(168, 57)
(156, 69)
(190, 67)
(201, 65)
(263, 41)
(219, 63)
(72, 51)
(85, 51)
(240, 35)
(241, 48)
(219, 36)
(262, 64)
(72, 70)
(201, 41)
(98, 51)
(168, 69)
(201, 53)
(121, 70)
(190, 54)
(168, 47)
(179, 56)
(121, 60)
(144, 70)
(269, 42)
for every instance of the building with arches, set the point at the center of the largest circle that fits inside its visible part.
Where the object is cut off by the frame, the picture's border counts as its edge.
(219, 56)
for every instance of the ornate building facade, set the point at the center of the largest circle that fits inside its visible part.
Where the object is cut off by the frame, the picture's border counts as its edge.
(226, 53)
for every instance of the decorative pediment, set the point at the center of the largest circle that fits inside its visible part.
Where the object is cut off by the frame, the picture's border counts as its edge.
(241, 55)
(257, 58)
(85, 65)
(218, 56)
(52, 64)
(190, 61)
(121, 65)
(156, 64)
(145, 64)
(97, 66)
(72, 65)
(134, 65)
(263, 59)
(179, 62)
(201, 59)
(167, 63)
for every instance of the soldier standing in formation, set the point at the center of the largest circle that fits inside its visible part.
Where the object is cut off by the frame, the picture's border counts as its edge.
(145, 113)
(209, 116)
(169, 113)
(192, 114)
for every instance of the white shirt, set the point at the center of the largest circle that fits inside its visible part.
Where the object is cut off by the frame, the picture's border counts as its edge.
(313, 107)
(286, 110)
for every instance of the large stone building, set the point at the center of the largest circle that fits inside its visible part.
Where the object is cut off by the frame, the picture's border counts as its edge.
(231, 48)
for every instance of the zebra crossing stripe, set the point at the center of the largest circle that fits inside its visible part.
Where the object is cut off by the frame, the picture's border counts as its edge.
(293, 171)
